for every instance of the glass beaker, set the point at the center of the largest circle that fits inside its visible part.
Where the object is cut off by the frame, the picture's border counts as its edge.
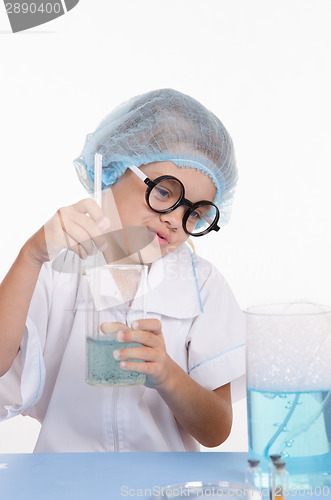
(289, 388)
(114, 293)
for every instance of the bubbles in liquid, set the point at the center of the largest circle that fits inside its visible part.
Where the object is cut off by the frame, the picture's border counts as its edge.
(103, 369)
(272, 345)
(278, 424)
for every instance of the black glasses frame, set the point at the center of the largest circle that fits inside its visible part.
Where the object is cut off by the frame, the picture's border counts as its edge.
(182, 201)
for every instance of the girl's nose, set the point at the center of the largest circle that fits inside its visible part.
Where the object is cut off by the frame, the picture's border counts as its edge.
(174, 218)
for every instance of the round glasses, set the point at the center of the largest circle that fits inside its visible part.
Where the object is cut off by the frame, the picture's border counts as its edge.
(166, 193)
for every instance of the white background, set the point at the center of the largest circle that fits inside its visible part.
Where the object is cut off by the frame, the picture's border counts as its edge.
(262, 66)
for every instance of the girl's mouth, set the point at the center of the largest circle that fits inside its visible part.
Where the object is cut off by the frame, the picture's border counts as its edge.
(160, 237)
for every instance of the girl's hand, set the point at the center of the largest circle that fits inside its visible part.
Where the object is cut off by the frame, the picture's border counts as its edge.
(75, 227)
(157, 362)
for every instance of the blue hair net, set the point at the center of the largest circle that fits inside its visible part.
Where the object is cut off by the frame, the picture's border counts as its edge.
(162, 125)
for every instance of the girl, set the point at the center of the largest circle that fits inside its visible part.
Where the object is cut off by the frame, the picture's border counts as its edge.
(168, 173)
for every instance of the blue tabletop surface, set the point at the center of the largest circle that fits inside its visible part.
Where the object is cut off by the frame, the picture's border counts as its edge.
(110, 475)
(114, 476)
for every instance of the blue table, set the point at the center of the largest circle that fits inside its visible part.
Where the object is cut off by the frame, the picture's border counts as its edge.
(113, 476)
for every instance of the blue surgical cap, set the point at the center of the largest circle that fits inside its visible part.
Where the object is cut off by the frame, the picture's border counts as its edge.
(162, 125)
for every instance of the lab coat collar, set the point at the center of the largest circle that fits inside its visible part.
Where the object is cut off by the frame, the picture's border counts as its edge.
(172, 285)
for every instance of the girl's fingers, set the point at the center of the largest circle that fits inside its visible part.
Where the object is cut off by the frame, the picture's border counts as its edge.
(152, 325)
(92, 228)
(150, 358)
(148, 339)
(89, 206)
(56, 239)
(138, 366)
(79, 250)
(142, 353)
(75, 227)
(81, 237)
(80, 229)
(83, 228)
(114, 327)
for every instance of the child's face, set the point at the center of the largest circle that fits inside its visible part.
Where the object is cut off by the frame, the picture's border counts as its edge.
(165, 229)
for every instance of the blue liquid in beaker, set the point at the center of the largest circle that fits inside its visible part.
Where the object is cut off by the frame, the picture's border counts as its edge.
(296, 425)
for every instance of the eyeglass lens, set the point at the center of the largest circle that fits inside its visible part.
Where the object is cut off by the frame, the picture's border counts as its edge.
(200, 219)
(167, 192)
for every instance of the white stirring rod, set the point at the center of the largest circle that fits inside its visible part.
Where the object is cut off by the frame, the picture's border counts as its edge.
(97, 191)
(97, 197)
(97, 178)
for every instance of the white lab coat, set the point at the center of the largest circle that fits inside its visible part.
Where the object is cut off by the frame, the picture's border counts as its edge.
(204, 333)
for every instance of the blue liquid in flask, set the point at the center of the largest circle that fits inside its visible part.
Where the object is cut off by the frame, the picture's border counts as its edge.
(296, 425)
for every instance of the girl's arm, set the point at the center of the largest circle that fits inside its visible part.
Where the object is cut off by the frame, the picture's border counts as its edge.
(71, 227)
(15, 296)
(205, 414)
